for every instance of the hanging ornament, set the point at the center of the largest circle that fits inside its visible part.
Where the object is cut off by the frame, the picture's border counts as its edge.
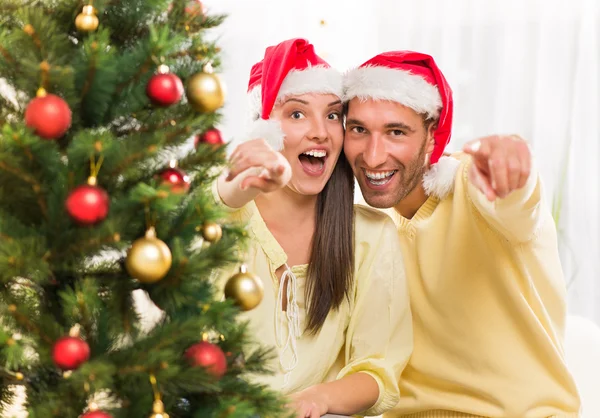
(70, 352)
(177, 180)
(88, 204)
(158, 410)
(210, 356)
(164, 88)
(95, 413)
(245, 289)
(205, 91)
(211, 136)
(212, 231)
(149, 259)
(48, 115)
(87, 21)
(195, 8)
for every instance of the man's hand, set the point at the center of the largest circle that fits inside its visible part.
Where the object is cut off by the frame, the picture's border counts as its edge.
(501, 164)
(309, 403)
(273, 170)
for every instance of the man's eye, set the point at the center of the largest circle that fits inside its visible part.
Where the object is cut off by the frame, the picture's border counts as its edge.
(358, 130)
(396, 132)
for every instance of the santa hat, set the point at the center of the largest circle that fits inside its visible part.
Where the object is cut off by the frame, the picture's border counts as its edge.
(411, 79)
(289, 68)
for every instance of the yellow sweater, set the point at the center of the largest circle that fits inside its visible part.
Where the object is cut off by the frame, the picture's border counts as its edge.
(488, 305)
(356, 337)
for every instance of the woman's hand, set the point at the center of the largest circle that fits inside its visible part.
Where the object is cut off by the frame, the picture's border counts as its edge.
(309, 403)
(255, 168)
(272, 170)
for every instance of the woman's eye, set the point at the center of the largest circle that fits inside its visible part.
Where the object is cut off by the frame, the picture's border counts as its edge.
(297, 115)
(333, 116)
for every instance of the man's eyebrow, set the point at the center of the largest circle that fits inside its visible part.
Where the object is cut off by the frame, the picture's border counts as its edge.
(398, 125)
(353, 122)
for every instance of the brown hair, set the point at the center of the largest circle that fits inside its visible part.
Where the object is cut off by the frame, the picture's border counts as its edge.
(331, 267)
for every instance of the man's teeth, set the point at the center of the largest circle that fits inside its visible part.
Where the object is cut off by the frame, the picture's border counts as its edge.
(379, 175)
(316, 153)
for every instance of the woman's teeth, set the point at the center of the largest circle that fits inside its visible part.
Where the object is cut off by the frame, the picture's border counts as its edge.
(316, 153)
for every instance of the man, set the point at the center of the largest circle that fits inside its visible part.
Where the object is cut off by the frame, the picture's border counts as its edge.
(487, 292)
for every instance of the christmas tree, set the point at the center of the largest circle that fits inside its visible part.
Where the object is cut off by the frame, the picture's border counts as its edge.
(107, 155)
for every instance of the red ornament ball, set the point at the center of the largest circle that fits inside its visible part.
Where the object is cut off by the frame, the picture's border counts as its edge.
(49, 116)
(164, 89)
(88, 204)
(211, 136)
(96, 414)
(69, 353)
(176, 179)
(208, 355)
(195, 8)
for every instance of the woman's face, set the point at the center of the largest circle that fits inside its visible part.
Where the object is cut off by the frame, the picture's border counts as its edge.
(314, 137)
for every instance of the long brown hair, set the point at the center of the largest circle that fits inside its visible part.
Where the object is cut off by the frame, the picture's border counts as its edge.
(331, 268)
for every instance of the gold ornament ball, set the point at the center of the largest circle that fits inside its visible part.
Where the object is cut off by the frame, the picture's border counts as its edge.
(212, 232)
(245, 289)
(158, 410)
(205, 92)
(149, 259)
(87, 21)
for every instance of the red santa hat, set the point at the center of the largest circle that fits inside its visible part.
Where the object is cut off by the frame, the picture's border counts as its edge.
(289, 68)
(411, 79)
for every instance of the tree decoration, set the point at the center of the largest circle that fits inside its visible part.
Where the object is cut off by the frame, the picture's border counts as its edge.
(48, 115)
(205, 91)
(149, 259)
(87, 21)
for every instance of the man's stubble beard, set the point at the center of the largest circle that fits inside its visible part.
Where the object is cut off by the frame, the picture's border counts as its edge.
(410, 177)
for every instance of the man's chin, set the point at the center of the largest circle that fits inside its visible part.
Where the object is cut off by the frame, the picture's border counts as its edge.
(378, 200)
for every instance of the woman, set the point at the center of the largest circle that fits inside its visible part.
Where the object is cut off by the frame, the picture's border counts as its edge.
(336, 303)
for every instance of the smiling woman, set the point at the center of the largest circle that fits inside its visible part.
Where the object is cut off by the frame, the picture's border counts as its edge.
(335, 292)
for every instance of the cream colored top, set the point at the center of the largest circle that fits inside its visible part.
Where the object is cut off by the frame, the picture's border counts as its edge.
(370, 333)
(489, 307)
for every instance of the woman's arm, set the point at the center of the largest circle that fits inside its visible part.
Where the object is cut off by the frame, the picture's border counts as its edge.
(346, 396)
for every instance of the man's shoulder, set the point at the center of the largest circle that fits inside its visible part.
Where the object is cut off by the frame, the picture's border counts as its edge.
(371, 221)
(369, 214)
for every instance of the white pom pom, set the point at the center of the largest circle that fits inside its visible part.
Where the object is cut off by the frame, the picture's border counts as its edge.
(439, 179)
(270, 130)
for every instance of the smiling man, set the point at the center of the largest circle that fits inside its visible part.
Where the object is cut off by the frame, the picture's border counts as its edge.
(487, 292)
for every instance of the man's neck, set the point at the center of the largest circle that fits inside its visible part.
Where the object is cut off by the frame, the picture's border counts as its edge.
(408, 206)
(286, 207)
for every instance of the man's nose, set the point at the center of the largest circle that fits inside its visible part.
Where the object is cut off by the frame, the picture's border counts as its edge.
(375, 154)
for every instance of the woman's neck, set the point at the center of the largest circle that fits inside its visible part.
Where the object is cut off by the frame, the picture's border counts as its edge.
(290, 217)
(286, 207)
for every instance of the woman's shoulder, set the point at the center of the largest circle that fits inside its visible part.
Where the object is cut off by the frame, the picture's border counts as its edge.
(371, 222)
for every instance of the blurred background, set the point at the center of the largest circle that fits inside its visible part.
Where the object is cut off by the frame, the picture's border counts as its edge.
(530, 67)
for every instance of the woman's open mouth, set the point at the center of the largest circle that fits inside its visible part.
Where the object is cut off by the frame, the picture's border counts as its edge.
(313, 161)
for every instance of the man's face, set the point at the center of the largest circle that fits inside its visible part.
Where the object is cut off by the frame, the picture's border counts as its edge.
(387, 145)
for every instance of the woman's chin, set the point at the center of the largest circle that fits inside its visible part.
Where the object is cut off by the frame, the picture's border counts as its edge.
(308, 187)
